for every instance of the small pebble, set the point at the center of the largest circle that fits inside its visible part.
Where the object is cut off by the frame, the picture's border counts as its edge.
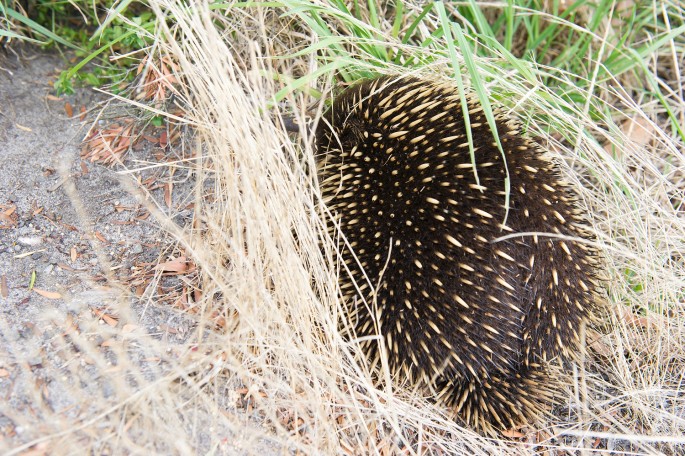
(136, 249)
(37, 256)
(30, 240)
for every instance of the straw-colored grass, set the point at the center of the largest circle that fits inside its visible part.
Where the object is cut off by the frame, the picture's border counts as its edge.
(614, 124)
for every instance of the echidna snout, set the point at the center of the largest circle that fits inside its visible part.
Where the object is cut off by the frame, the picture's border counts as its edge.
(472, 318)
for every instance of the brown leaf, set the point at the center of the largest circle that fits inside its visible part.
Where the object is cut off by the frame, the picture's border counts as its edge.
(639, 130)
(168, 188)
(163, 139)
(101, 237)
(68, 109)
(47, 294)
(512, 433)
(66, 267)
(6, 221)
(82, 117)
(180, 265)
(4, 291)
(166, 328)
(71, 327)
(129, 328)
(107, 318)
(108, 145)
(73, 254)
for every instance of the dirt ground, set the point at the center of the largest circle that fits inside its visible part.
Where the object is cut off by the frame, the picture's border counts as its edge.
(72, 242)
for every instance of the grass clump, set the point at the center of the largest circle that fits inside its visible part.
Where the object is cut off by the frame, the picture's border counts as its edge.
(108, 35)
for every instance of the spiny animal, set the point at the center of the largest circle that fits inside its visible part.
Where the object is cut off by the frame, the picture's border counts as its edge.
(467, 305)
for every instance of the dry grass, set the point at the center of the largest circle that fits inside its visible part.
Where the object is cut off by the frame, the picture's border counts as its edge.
(265, 333)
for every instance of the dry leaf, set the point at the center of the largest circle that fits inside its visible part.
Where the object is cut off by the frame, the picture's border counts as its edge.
(108, 145)
(4, 291)
(151, 139)
(167, 193)
(101, 237)
(68, 109)
(639, 130)
(47, 294)
(109, 343)
(111, 320)
(71, 327)
(166, 328)
(180, 265)
(512, 433)
(129, 328)
(73, 254)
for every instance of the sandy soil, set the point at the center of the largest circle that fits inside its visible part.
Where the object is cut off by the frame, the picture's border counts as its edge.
(72, 240)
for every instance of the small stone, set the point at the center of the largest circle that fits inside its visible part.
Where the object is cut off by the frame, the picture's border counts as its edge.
(12, 334)
(136, 249)
(37, 256)
(30, 240)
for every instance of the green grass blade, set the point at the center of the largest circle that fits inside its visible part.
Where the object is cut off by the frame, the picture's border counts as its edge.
(306, 80)
(12, 35)
(412, 28)
(445, 23)
(35, 27)
(113, 14)
(397, 23)
(481, 22)
(75, 69)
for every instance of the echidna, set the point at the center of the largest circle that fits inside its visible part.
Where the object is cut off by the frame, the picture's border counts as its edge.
(466, 306)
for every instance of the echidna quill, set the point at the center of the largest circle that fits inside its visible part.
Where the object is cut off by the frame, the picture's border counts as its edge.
(470, 316)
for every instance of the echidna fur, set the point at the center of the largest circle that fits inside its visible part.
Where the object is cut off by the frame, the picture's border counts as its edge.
(472, 318)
